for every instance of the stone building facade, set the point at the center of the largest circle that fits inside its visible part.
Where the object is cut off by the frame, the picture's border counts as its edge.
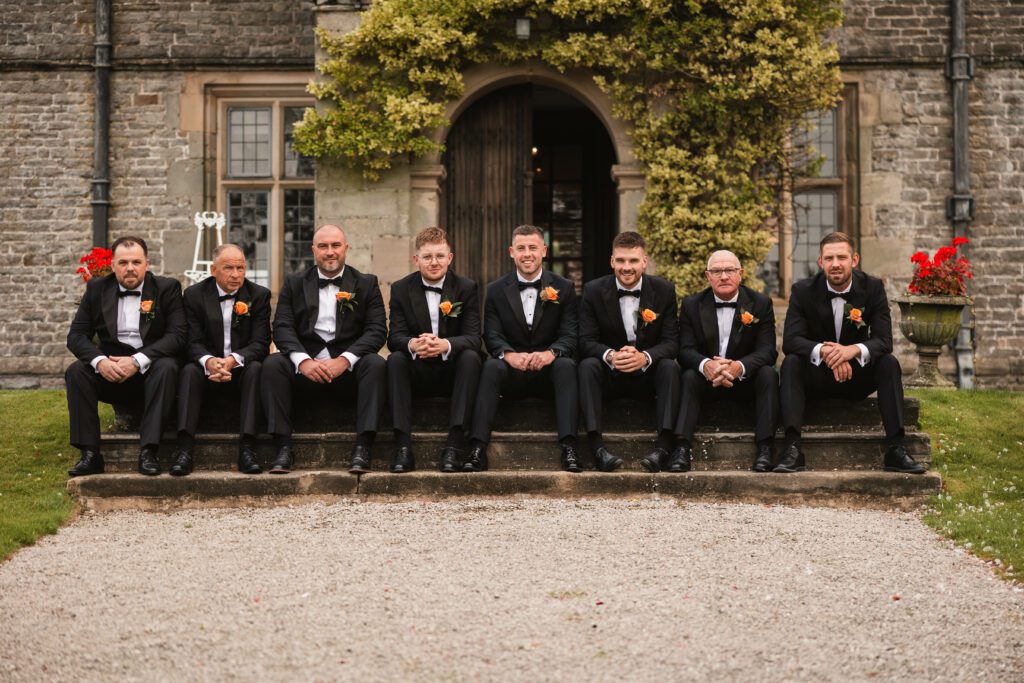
(185, 72)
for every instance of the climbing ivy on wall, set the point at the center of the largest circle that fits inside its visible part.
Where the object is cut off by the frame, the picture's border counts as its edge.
(711, 88)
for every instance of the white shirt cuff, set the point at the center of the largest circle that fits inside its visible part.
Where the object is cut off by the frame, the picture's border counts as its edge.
(816, 355)
(352, 359)
(607, 362)
(700, 368)
(143, 361)
(238, 359)
(648, 363)
(296, 358)
(95, 362)
(411, 352)
(743, 372)
(444, 356)
(865, 355)
(202, 363)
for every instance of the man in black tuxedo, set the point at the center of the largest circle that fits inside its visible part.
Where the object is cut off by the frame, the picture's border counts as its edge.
(139, 324)
(229, 336)
(838, 343)
(727, 351)
(629, 336)
(530, 329)
(329, 325)
(435, 347)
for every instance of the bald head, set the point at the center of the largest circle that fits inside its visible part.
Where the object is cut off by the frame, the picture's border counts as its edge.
(723, 256)
(329, 249)
(228, 267)
(724, 274)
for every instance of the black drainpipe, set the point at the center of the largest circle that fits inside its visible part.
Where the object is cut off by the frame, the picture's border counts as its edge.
(960, 206)
(101, 128)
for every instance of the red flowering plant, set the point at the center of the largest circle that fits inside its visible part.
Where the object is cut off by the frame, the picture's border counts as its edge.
(97, 263)
(945, 275)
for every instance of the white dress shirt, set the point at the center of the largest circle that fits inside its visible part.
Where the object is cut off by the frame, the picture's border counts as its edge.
(129, 315)
(629, 309)
(529, 297)
(725, 316)
(326, 324)
(838, 311)
(434, 310)
(227, 310)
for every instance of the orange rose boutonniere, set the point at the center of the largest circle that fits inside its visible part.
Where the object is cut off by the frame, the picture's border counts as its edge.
(855, 316)
(549, 295)
(241, 310)
(745, 318)
(449, 309)
(346, 300)
(147, 309)
(647, 317)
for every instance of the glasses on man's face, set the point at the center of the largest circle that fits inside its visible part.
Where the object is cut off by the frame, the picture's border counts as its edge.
(432, 258)
(722, 272)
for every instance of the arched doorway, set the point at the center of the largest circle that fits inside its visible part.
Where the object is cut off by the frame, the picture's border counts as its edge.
(529, 154)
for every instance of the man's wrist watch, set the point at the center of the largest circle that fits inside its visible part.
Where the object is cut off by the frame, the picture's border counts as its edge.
(556, 353)
(135, 360)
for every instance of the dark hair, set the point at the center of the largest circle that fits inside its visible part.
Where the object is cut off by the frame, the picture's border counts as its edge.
(526, 231)
(628, 240)
(835, 238)
(431, 235)
(127, 241)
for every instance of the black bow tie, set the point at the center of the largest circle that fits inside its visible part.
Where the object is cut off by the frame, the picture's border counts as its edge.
(629, 292)
(336, 281)
(127, 292)
(529, 285)
(428, 288)
(225, 297)
(725, 304)
(837, 295)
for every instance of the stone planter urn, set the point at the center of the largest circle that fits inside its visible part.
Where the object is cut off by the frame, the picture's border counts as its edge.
(930, 323)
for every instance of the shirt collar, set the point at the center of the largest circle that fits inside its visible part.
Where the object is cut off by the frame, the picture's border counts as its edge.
(221, 292)
(320, 273)
(536, 279)
(735, 298)
(440, 283)
(122, 288)
(849, 286)
(634, 288)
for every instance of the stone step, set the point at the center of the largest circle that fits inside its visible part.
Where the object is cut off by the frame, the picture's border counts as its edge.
(525, 415)
(220, 489)
(722, 451)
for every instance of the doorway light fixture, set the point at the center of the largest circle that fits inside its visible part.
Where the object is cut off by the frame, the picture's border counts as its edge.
(523, 28)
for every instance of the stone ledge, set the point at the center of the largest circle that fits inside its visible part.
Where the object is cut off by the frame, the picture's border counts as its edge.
(879, 490)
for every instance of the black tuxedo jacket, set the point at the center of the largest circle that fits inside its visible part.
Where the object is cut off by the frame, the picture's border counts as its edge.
(410, 317)
(360, 331)
(164, 335)
(250, 334)
(555, 325)
(809, 319)
(752, 345)
(601, 326)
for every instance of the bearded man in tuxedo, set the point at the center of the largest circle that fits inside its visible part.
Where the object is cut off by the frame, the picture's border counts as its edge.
(330, 324)
(530, 329)
(727, 351)
(435, 347)
(838, 344)
(228, 339)
(127, 334)
(629, 337)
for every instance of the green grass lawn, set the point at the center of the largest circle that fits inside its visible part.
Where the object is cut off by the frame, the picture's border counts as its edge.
(34, 458)
(978, 448)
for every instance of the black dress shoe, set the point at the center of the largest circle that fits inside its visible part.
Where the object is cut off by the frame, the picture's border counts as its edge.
(763, 461)
(91, 462)
(571, 459)
(476, 461)
(681, 460)
(283, 461)
(148, 464)
(792, 460)
(247, 461)
(897, 459)
(182, 463)
(450, 460)
(653, 461)
(403, 461)
(605, 461)
(360, 460)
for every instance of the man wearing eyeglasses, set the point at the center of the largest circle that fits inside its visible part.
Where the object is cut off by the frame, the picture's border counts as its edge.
(435, 348)
(727, 351)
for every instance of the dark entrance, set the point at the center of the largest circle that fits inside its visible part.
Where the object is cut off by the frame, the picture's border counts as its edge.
(530, 154)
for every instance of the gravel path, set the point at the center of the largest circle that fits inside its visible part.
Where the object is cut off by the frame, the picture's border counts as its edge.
(526, 591)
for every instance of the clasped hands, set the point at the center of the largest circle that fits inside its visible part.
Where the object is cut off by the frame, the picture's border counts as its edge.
(323, 371)
(220, 368)
(536, 360)
(428, 345)
(837, 357)
(627, 359)
(722, 372)
(117, 369)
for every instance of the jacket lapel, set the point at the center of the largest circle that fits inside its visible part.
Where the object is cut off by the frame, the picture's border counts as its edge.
(855, 298)
(311, 292)
(646, 301)
(823, 306)
(244, 294)
(418, 300)
(738, 328)
(216, 318)
(709, 321)
(516, 303)
(538, 312)
(448, 293)
(108, 304)
(148, 294)
(343, 317)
